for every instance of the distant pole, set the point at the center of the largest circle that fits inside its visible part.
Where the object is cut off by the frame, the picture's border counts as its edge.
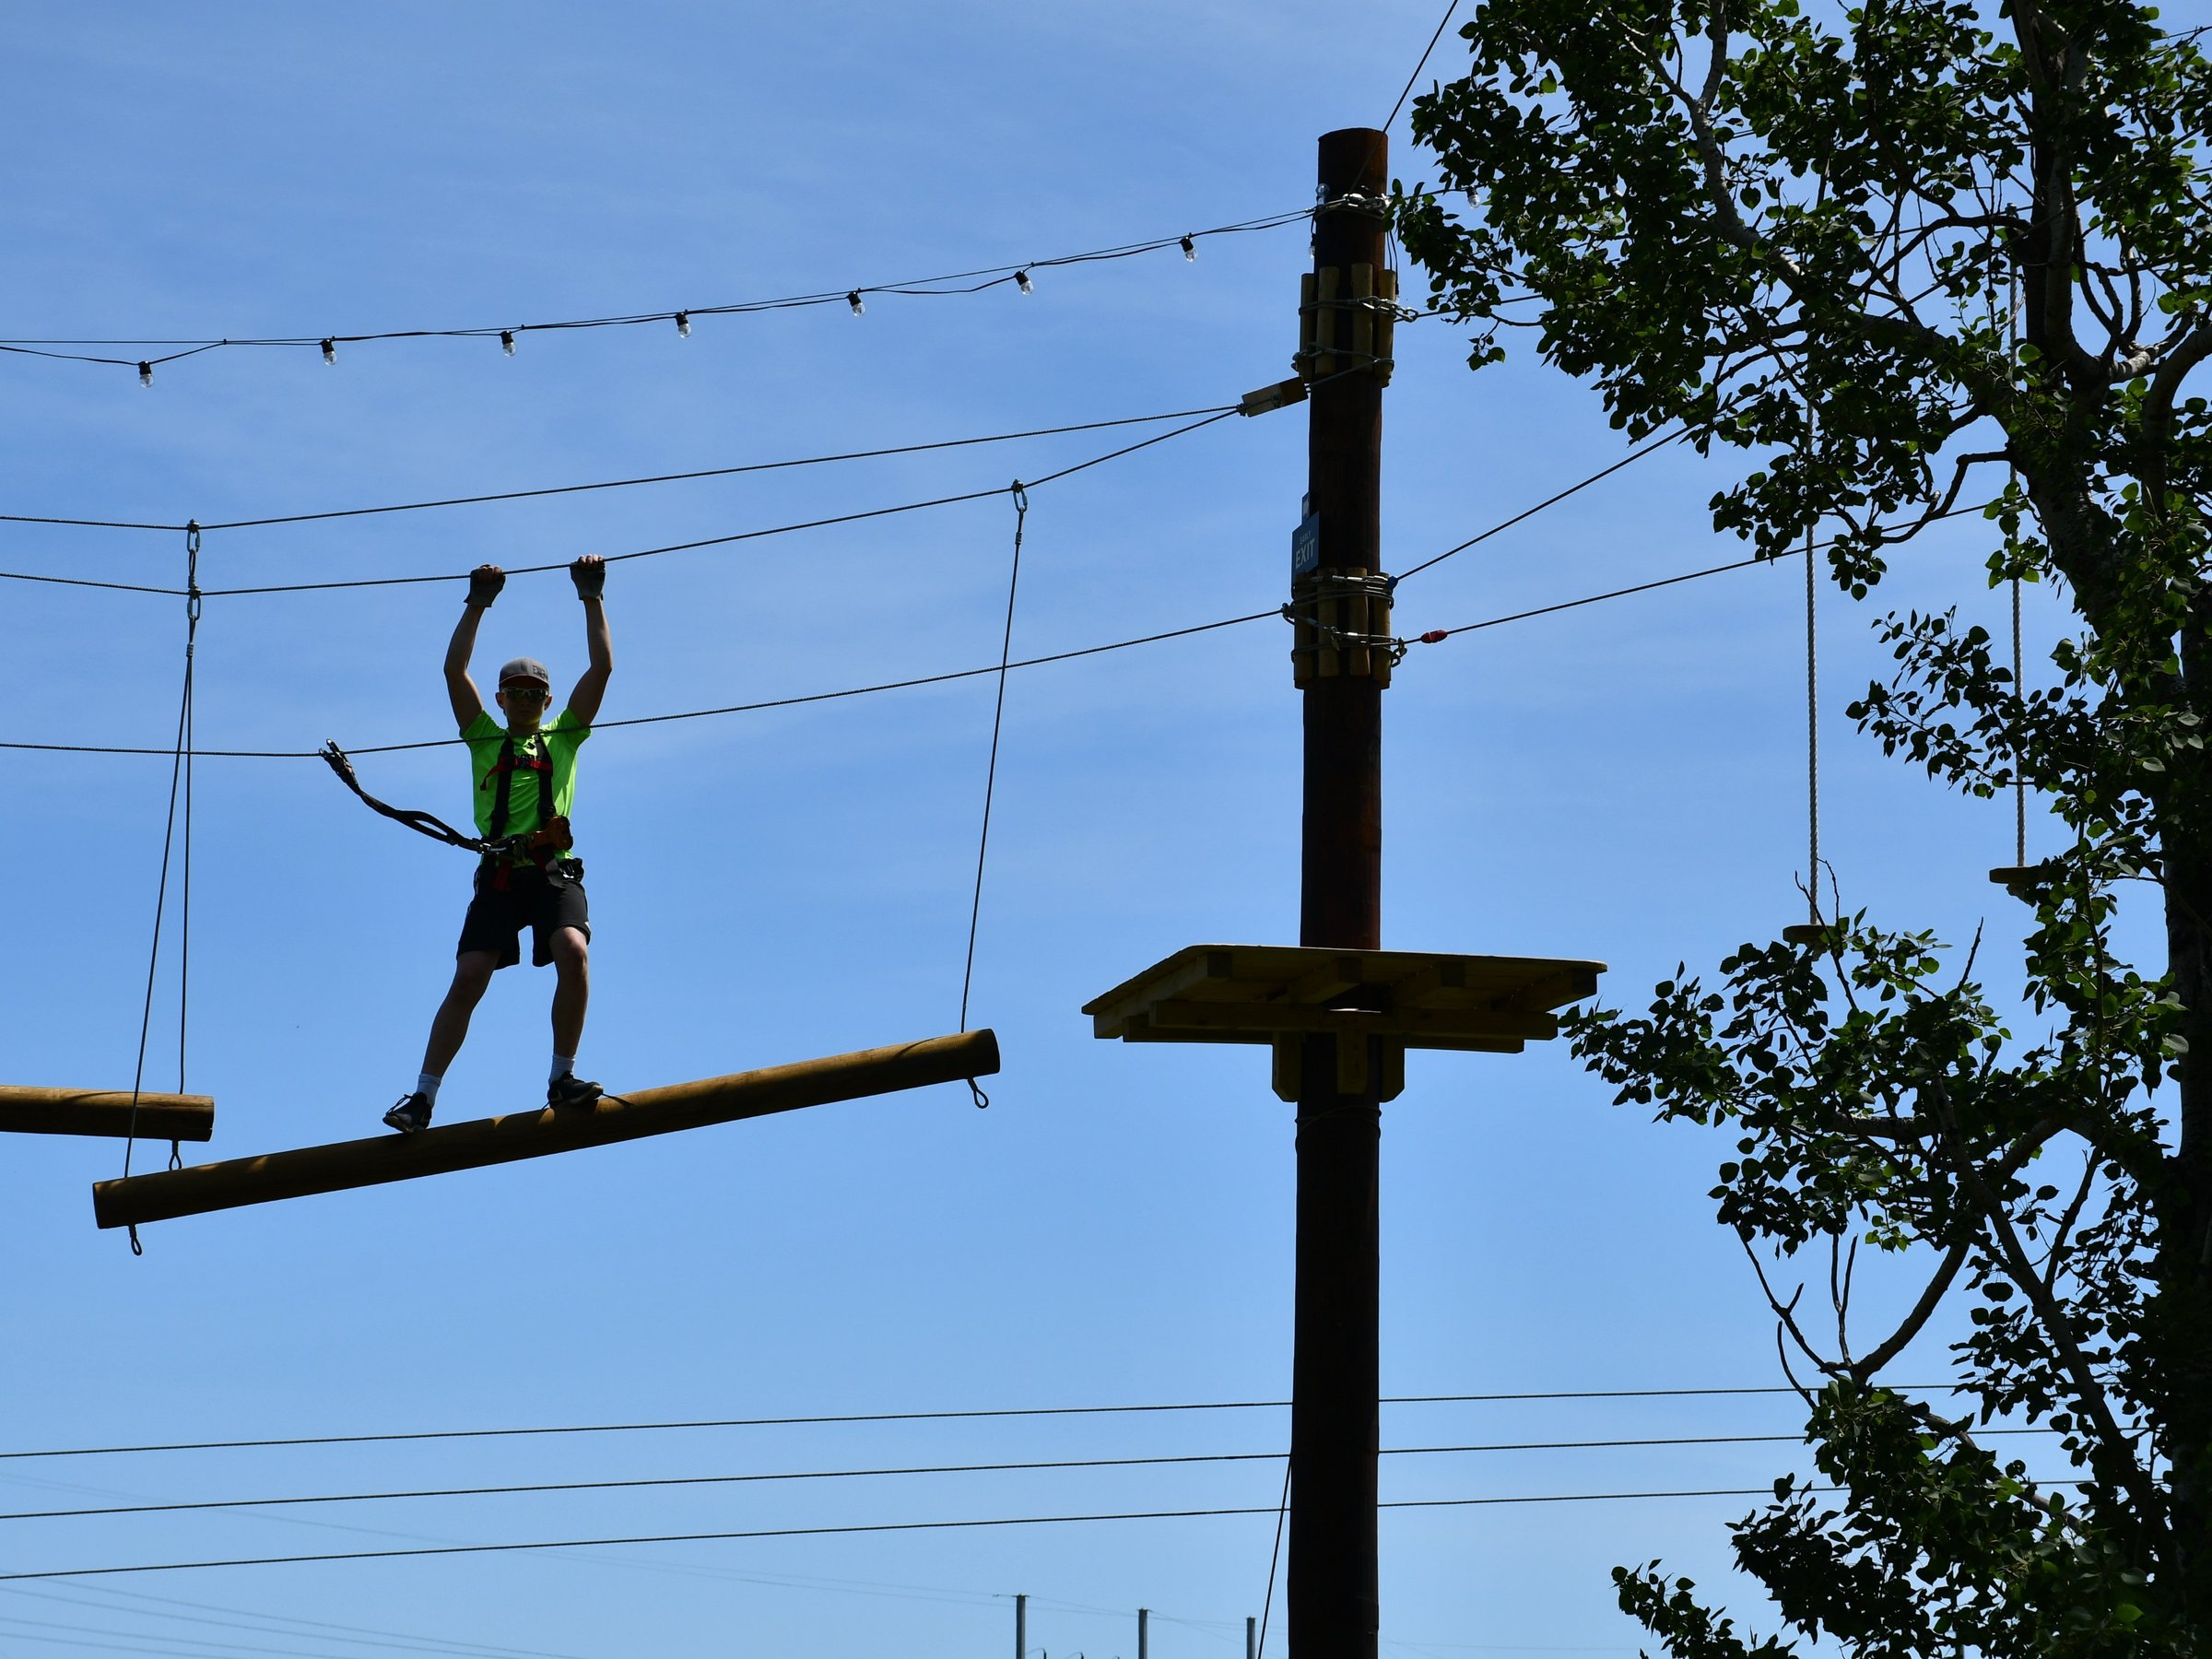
(1021, 1626)
(1144, 1637)
(1335, 1376)
(1252, 1638)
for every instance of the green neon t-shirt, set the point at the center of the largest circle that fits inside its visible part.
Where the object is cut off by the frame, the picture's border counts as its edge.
(556, 741)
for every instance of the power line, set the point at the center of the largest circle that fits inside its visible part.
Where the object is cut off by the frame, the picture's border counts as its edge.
(362, 1635)
(123, 587)
(744, 536)
(777, 703)
(924, 1416)
(110, 1647)
(1505, 524)
(1027, 1466)
(219, 1646)
(1406, 91)
(878, 1526)
(918, 286)
(1435, 636)
(676, 477)
(1644, 587)
(1206, 418)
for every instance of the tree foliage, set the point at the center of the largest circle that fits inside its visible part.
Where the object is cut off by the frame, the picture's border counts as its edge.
(1928, 260)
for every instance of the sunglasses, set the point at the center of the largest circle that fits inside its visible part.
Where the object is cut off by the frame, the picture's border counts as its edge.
(524, 693)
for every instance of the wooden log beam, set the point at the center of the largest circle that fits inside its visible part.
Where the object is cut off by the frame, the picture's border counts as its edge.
(30, 1110)
(1411, 1025)
(469, 1145)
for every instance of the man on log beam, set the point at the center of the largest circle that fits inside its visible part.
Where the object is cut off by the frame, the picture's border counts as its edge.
(525, 784)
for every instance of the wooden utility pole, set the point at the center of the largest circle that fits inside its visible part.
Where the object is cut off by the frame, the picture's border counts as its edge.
(1337, 1011)
(1335, 1384)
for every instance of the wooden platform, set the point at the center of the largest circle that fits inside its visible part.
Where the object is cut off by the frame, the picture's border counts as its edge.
(1377, 1004)
(32, 1110)
(473, 1145)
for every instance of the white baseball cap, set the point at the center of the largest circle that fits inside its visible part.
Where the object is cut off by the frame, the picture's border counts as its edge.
(526, 668)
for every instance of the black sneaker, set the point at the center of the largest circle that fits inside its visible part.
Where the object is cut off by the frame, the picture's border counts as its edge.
(571, 1090)
(413, 1112)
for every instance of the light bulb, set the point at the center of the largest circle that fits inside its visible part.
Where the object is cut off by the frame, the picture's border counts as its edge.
(329, 350)
(507, 341)
(852, 299)
(145, 374)
(1190, 250)
(1022, 281)
(683, 324)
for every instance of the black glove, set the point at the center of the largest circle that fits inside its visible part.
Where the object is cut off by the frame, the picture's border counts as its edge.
(590, 577)
(485, 582)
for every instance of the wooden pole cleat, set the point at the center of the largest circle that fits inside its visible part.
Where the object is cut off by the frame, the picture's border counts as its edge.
(1352, 1069)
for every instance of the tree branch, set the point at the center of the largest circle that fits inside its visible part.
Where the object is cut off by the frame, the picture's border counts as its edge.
(1785, 1313)
(1942, 510)
(2057, 219)
(1991, 220)
(1923, 1311)
(2065, 1222)
(2188, 346)
(2065, 1345)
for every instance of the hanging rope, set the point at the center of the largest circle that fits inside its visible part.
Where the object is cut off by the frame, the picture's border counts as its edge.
(1812, 712)
(2019, 779)
(1267, 1603)
(998, 714)
(191, 628)
(179, 780)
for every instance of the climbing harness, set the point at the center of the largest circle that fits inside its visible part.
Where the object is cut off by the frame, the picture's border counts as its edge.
(500, 780)
(541, 845)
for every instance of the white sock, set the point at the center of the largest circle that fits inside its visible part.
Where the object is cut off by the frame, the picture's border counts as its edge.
(426, 1085)
(564, 1066)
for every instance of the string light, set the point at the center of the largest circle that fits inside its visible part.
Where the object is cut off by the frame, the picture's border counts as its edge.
(683, 325)
(145, 373)
(949, 283)
(1190, 250)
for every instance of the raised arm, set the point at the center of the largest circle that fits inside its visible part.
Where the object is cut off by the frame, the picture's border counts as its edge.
(484, 585)
(589, 574)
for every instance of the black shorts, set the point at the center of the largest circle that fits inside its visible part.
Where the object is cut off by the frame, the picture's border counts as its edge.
(528, 896)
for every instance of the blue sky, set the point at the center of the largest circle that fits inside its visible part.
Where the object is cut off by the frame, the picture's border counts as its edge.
(1623, 783)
